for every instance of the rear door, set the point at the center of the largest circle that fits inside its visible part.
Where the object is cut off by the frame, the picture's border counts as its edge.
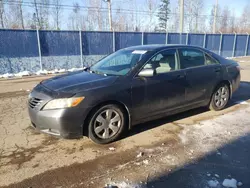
(161, 92)
(202, 74)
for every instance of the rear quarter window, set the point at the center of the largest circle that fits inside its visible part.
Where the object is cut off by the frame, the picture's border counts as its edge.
(191, 58)
(210, 60)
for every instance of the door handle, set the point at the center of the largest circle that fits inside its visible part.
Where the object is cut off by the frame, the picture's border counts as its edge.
(180, 76)
(217, 70)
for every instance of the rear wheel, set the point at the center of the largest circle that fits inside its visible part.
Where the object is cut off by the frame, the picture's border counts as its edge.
(220, 97)
(107, 124)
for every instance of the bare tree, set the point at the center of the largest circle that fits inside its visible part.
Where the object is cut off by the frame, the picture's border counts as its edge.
(95, 17)
(75, 17)
(33, 21)
(174, 19)
(57, 13)
(211, 19)
(131, 17)
(42, 13)
(138, 21)
(119, 21)
(15, 15)
(151, 7)
(98, 13)
(232, 23)
(194, 10)
(224, 21)
(245, 20)
(1, 13)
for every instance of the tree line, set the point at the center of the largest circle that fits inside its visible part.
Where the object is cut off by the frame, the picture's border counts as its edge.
(127, 15)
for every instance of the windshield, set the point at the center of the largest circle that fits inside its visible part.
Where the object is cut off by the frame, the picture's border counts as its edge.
(118, 63)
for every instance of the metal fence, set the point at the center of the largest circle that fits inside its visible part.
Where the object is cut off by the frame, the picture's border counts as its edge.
(34, 50)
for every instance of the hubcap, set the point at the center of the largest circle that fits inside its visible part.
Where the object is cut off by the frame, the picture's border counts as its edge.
(107, 124)
(221, 97)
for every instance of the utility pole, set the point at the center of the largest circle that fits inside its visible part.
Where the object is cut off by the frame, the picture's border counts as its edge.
(110, 14)
(181, 15)
(21, 13)
(215, 16)
(1, 13)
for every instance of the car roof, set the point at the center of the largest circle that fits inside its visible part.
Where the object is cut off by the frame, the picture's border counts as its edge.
(156, 47)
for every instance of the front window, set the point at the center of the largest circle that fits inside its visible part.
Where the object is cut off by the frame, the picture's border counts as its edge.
(163, 62)
(118, 63)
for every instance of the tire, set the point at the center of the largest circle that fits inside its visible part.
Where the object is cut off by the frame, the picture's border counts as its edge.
(107, 124)
(220, 97)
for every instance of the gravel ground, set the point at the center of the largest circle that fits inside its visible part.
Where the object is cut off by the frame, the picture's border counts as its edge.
(177, 151)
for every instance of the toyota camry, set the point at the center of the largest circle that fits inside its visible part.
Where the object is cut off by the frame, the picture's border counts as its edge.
(131, 86)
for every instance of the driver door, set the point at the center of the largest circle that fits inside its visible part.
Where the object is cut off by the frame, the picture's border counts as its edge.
(161, 92)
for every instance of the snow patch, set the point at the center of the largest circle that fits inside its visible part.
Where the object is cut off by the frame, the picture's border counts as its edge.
(140, 155)
(42, 72)
(239, 184)
(7, 75)
(112, 149)
(123, 185)
(23, 73)
(75, 69)
(213, 183)
(217, 176)
(241, 102)
(230, 183)
(62, 70)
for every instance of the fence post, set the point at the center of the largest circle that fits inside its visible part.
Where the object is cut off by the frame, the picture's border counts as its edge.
(246, 48)
(187, 38)
(80, 36)
(166, 42)
(221, 35)
(234, 45)
(113, 41)
(204, 40)
(142, 38)
(39, 49)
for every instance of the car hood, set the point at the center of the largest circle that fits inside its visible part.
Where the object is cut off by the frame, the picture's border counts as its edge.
(77, 82)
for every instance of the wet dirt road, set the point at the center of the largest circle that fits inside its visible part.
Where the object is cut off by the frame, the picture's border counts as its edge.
(29, 159)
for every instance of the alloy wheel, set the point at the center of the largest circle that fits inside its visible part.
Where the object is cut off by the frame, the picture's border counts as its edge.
(107, 124)
(221, 96)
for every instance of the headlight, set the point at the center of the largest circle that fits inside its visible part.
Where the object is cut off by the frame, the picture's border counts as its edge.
(63, 103)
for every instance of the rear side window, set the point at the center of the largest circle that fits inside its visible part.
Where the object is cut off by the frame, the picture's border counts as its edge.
(191, 58)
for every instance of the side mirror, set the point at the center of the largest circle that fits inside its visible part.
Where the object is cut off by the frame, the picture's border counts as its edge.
(146, 73)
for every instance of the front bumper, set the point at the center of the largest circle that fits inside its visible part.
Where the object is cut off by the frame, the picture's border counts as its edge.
(65, 123)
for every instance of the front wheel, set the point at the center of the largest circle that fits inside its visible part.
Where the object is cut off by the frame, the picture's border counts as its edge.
(220, 97)
(106, 124)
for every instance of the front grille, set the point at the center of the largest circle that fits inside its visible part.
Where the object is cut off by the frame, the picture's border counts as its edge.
(34, 102)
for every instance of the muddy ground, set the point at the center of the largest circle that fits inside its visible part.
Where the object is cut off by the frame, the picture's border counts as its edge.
(190, 149)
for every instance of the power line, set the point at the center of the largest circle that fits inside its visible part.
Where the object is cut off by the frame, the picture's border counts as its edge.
(99, 9)
(51, 5)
